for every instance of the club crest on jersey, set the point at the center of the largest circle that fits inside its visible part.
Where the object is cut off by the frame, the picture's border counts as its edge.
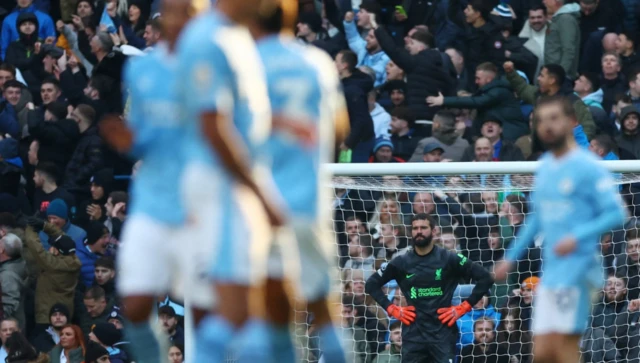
(566, 186)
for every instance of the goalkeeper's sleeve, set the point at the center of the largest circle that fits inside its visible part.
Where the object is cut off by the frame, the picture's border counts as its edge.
(470, 270)
(375, 282)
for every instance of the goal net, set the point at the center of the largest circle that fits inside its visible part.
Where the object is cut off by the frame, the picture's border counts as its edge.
(478, 208)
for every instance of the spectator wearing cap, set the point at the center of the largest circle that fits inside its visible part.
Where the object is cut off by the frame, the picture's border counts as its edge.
(550, 82)
(523, 298)
(10, 32)
(96, 353)
(59, 316)
(45, 179)
(13, 278)
(424, 67)
(88, 157)
(432, 153)
(481, 37)
(562, 43)
(56, 135)
(116, 318)
(503, 150)
(613, 81)
(58, 215)
(169, 324)
(97, 309)
(383, 152)
(59, 267)
(108, 336)
(494, 96)
(93, 209)
(94, 246)
(402, 133)
(356, 86)
(105, 274)
(381, 119)
(629, 138)
(368, 49)
(626, 49)
(444, 133)
(10, 166)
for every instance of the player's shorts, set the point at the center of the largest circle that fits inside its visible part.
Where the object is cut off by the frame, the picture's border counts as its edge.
(302, 252)
(229, 232)
(561, 310)
(147, 260)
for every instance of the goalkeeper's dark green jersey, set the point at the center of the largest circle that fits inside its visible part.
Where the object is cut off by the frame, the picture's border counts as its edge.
(428, 283)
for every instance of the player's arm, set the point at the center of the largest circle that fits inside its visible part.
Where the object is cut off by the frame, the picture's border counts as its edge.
(463, 267)
(113, 128)
(523, 240)
(387, 272)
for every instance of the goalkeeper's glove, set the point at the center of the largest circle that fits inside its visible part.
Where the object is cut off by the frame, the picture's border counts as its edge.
(406, 315)
(449, 315)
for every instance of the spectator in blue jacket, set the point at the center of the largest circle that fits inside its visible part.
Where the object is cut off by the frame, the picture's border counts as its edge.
(465, 324)
(10, 32)
(368, 50)
(8, 119)
(58, 215)
(93, 246)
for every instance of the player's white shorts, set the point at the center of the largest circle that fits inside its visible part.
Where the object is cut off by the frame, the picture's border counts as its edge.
(148, 263)
(304, 253)
(561, 310)
(229, 231)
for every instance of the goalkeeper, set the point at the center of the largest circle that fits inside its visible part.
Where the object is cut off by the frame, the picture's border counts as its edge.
(428, 275)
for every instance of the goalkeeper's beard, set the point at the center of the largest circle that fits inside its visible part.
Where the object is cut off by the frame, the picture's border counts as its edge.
(422, 242)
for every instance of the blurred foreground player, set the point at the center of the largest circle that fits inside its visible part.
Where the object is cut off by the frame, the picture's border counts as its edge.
(156, 215)
(428, 275)
(575, 201)
(228, 121)
(308, 108)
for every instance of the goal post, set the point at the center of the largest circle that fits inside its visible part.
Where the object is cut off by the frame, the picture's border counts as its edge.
(479, 208)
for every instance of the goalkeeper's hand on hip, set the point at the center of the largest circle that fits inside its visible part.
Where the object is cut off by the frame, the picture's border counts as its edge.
(406, 315)
(450, 315)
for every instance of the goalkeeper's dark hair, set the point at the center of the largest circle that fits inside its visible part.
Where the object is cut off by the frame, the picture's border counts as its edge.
(424, 217)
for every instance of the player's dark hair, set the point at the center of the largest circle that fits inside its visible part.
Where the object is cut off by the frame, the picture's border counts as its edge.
(106, 262)
(631, 234)
(350, 58)
(95, 293)
(49, 169)
(273, 23)
(395, 325)
(424, 217)
(565, 103)
(556, 72)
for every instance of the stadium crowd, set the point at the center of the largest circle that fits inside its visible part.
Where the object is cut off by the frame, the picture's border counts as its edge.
(423, 81)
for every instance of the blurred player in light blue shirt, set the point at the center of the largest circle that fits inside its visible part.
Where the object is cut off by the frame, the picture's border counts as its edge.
(153, 133)
(574, 201)
(306, 102)
(229, 120)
